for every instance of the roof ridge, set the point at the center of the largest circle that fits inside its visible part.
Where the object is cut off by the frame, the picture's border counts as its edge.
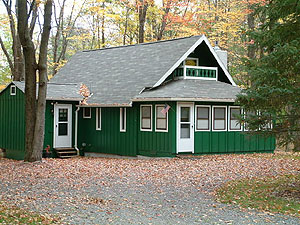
(146, 43)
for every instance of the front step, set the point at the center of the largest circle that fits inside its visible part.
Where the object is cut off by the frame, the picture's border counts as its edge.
(66, 152)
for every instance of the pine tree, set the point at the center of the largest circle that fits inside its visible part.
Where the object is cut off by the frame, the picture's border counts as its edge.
(274, 75)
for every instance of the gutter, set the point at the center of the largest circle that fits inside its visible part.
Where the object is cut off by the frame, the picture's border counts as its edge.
(76, 130)
(184, 99)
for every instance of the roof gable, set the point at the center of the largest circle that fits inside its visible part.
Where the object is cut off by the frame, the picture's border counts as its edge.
(202, 39)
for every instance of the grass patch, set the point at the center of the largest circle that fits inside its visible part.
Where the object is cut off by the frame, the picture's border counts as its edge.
(279, 155)
(15, 215)
(279, 194)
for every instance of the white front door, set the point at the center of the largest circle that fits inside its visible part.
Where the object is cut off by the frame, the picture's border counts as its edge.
(62, 126)
(185, 127)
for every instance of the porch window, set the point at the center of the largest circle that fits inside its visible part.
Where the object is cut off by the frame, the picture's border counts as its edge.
(146, 117)
(123, 119)
(87, 113)
(13, 90)
(203, 118)
(219, 118)
(98, 118)
(161, 120)
(234, 123)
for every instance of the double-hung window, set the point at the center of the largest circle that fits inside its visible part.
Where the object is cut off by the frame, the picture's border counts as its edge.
(234, 123)
(219, 118)
(161, 120)
(146, 117)
(123, 119)
(87, 114)
(98, 119)
(203, 118)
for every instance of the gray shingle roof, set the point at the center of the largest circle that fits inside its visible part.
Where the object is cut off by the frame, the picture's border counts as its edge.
(117, 75)
(58, 91)
(202, 90)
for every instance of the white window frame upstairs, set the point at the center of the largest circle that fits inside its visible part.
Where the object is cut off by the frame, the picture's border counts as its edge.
(192, 58)
(229, 118)
(151, 121)
(209, 117)
(98, 117)
(83, 113)
(122, 116)
(213, 118)
(11, 90)
(167, 119)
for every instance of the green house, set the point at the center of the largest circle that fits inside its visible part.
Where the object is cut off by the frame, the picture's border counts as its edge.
(154, 99)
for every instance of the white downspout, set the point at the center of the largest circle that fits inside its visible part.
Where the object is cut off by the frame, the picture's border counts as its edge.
(76, 130)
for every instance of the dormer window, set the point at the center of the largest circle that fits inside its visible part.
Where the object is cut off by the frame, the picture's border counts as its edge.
(13, 90)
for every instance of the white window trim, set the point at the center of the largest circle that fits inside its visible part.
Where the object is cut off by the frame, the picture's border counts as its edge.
(213, 116)
(151, 121)
(229, 120)
(122, 130)
(11, 87)
(98, 114)
(158, 130)
(83, 113)
(209, 118)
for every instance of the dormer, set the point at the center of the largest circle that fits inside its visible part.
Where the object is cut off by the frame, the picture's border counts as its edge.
(203, 62)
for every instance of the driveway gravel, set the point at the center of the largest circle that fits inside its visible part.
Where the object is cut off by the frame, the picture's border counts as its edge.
(132, 191)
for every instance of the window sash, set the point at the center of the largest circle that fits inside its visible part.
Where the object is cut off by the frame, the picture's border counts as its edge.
(13, 90)
(201, 120)
(146, 121)
(219, 122)
(161, 121)
(234, 123)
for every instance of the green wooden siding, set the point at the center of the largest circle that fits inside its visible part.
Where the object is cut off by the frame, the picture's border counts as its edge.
(210, 142)
(12, 123)
(108, 140)
(152, 143)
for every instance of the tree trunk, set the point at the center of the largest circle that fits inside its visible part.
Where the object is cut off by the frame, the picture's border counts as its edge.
(164, 21)
(251, 26)
(17, 67)
(34, 111)
(142, 9)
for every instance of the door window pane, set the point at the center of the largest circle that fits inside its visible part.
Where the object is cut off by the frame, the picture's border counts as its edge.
(185, 131)
(62, 129)
(185, 114)
(63, 115)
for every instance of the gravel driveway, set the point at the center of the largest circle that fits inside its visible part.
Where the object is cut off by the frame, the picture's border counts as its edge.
(131, 191)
